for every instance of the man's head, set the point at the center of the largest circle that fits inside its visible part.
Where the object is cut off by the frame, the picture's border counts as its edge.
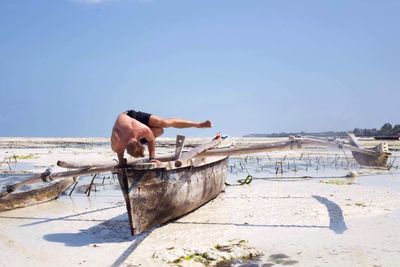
(135, 148)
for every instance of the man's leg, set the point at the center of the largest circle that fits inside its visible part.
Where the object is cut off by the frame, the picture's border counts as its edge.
(157, 131)
(158, 122)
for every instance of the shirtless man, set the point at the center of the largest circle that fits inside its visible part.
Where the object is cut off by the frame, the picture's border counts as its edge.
(132, 129)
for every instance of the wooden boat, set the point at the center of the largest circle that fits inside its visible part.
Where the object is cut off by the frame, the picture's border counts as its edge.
(155, 195)
(50, 191)
(378, 159)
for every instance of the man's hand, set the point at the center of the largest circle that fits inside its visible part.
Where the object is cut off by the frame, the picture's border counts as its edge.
(205, 124)
(156, 161)
(123, 162)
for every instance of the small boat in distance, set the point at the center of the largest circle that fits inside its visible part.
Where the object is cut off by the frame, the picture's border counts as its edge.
(386, 137)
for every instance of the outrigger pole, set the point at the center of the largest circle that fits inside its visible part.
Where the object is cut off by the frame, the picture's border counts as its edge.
(375, 157)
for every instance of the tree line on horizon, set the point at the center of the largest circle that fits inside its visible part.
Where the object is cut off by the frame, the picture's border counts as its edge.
(386, 130)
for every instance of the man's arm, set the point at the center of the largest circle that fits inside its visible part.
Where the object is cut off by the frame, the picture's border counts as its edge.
(149, 136)
(152, 149)
(117, 149)
(120, 155)
(117, 145)
(152, 152)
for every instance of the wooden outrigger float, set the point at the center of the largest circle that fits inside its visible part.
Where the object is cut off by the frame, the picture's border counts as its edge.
(39, 195)
(155, 194)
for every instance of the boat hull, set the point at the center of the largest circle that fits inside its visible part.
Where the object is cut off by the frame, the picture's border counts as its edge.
(379, 160)
(157, 196)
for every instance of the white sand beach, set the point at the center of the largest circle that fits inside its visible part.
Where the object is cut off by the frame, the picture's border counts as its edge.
(308, 215)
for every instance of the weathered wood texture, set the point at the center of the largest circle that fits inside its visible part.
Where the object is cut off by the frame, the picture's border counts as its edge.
(35, 196)
(246, 150)
(157, 196)
(180, 140)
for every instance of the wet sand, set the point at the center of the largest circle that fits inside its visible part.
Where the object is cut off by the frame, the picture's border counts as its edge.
(308, 215)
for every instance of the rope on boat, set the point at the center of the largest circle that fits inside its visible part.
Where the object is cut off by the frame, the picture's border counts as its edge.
(247, 180)
(244, 181)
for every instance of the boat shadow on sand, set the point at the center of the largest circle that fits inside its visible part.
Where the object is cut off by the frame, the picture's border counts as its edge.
(335, 213)
(336, 219)
(114, 230)
(117, 229)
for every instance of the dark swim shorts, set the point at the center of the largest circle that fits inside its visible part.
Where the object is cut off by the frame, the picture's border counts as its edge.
(143, 117)
(139, 116)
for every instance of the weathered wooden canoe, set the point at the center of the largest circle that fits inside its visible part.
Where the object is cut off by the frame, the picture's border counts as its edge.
(155, 195)
(20, 199)
(380, 158)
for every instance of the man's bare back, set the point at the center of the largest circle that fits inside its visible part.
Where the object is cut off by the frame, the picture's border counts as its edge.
(132, 128)
(126, 128)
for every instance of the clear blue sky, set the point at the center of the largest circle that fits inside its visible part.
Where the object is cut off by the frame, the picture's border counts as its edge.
(67, 68)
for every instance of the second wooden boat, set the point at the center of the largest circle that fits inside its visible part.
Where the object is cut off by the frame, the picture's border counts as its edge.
(47, 192)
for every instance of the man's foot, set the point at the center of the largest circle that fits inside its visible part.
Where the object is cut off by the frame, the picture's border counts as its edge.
(205, 124)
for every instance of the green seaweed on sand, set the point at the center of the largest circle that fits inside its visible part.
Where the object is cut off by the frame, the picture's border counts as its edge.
(223, 254)
(30, 156)
(228, 247)
(337, 182)
(360, 204)
(202, 258)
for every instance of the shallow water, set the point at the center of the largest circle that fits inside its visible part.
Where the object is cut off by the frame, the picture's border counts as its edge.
(276, 169)
(19, 166)
(7, 179)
